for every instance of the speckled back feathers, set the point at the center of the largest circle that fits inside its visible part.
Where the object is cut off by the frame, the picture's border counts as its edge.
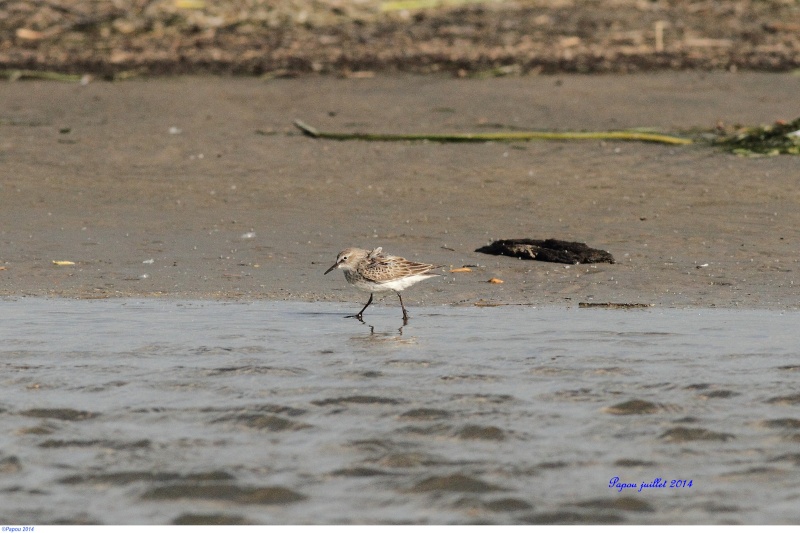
(380, 268)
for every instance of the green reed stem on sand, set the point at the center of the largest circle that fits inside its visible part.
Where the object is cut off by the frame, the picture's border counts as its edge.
(16, 74)
(501, 137)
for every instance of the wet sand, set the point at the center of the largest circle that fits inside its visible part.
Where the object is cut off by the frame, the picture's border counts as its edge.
(236, 204)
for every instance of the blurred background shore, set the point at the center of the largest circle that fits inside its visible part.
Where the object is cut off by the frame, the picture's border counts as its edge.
(361, 37)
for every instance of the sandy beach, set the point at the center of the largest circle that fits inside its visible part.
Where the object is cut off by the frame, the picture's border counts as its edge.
(199, 187)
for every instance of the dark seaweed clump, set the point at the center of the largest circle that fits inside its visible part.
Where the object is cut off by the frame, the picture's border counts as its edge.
(779, 138)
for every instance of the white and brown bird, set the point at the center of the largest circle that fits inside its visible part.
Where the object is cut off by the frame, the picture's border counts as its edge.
(372, 271)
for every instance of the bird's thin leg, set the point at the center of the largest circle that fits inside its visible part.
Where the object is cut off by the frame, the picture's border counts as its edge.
(405, 314)
(358, 316)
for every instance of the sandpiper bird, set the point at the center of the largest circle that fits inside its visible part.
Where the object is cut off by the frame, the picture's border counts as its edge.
(372, 271)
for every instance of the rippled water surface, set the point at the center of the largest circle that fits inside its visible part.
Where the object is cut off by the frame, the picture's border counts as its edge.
(142, 412)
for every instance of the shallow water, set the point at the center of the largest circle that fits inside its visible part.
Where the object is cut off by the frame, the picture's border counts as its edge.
(147, 412)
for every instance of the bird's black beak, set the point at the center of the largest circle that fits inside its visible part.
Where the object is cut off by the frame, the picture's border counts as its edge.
(331, 268)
